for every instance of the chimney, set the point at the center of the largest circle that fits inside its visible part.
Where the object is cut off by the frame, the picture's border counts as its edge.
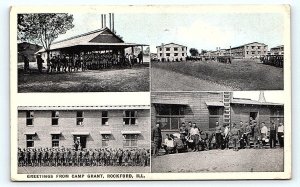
(102, 24)
(113, 22)
(261, 97)
(109, 21)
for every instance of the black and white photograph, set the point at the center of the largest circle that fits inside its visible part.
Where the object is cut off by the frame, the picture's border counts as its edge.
(218, 52)
(150, 92)
(82, 52)
(217, 132)
(83, 139)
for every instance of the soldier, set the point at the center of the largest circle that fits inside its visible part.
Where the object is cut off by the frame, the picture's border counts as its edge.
(91, 157)
(235, 137)
(226, 136)
(26, 63)
(195, 136)
(147, 158)
(20, 157)
(273, 132)
(114, 157)
(280, 134)
(120, 156)
(264, 133)
(256, 135)
(40, 62)
(32, 157)
(156, 138)
(132, 157)
(39, 156)
(183, 130)
(55, 157)
(242, 132)
(126, 157)
(247, 134)
(219, 138)
(64, 63)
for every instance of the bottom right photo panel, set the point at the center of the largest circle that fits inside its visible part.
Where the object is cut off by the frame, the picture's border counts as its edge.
(240, 131)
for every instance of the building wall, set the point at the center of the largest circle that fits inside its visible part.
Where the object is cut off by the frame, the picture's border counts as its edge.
(195, 110)
(92, 124)
(163, 53)
(255, 50)
(242, 113)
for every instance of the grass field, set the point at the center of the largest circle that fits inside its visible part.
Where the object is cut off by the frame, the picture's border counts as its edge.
(242, 74)
(135, 79)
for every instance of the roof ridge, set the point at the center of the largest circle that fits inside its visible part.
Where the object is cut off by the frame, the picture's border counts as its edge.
(80, 35)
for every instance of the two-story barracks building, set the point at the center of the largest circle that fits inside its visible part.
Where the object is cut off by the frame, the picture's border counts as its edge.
(171, 52)
(170, 109)
(93, 126)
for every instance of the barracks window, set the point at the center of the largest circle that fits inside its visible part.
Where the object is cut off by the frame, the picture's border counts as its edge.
(167, 48)
(175, 48)
(29, 118)
(170, 116)
(104, 118)
(55, 140)
(130, 140)
(55, 116)
(79, 118)
(130, 117)
(29, 140)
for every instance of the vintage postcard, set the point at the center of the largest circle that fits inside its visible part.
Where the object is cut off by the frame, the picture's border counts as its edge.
(152, 92)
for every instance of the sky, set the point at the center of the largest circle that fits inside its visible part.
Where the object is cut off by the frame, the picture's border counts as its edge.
(201, 31)
(270, 96)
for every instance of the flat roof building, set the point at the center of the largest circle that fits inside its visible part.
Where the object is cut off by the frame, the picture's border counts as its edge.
(171, 52)
(94, 126)
(249, 50)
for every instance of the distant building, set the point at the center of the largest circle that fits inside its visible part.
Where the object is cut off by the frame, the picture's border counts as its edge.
(170, 109)
(171, 52)
(250, 50)
(29, 50)
(153, 56)
(278, 50)
(94, 126)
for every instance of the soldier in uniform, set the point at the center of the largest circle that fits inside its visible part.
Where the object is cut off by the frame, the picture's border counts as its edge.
(157, 139)
(273, 132)
(256, 135)
(235, 137)
(119, 156)
(219, 138)
(20, 157)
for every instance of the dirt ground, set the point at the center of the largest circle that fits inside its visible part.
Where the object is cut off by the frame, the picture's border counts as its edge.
(87, 169)
(242, 74)
(135, 79)
(246, 160)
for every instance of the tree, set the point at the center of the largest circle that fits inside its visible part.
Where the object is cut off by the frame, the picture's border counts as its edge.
(43, 29)
(194, 52)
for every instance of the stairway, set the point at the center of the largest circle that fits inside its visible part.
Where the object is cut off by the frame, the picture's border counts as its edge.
(226, 101)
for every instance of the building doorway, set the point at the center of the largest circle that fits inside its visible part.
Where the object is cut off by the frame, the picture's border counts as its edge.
(254, 115)
(80, 142)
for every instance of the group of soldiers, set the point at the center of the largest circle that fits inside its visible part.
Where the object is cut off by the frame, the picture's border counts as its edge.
(274, 60)
(245, 135)
(54, 157)
(91, 61)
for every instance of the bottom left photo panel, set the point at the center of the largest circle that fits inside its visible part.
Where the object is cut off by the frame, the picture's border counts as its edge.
(83, 139)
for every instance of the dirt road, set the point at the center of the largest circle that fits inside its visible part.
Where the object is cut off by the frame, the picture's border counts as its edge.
(246, 160)
(167, 80)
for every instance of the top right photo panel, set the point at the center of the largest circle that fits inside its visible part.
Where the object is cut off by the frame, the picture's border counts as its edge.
(220, 50)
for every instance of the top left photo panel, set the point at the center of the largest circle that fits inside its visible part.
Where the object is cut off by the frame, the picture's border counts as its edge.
(79, 51)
